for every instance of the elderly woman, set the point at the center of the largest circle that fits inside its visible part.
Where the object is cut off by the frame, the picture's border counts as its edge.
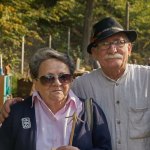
(39, 123)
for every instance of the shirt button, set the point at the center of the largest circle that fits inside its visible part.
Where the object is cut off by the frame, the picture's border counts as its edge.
(56, 139)
(117, 102)
(117, 83)
(119, 142)
(118, 122)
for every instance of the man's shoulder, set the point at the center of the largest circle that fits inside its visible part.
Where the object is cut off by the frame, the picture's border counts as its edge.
(88, 75)
(139, 72)
(133, 67)
(87, 78)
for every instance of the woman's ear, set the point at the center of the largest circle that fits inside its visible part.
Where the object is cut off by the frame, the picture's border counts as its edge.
(35, 84)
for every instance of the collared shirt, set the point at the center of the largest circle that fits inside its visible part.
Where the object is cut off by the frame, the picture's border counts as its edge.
(52, 129)
(125, 102)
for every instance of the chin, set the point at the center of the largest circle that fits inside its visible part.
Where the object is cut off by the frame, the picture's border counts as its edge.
(115, 62)
(58, 99)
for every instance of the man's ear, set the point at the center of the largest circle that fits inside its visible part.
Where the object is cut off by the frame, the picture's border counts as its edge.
(35, 83)
(93, 51)
(129, 49)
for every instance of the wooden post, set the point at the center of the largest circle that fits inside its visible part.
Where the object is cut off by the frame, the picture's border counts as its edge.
(68, 40)
(1, 61)
(78, 64)
(127, 16)
(22, 64)
(1, 68)
(50, 41)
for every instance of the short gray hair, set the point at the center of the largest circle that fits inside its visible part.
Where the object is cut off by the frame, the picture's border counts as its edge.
(48, 53)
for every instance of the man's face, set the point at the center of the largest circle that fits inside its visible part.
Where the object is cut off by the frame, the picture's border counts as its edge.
(113, 57)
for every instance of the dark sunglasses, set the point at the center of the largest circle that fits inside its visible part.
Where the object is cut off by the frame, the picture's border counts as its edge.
(49, 79)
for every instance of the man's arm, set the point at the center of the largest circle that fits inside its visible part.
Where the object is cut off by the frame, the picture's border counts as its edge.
(6, 108)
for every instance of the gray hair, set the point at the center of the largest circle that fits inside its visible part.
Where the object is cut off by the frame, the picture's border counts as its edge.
(48, 53)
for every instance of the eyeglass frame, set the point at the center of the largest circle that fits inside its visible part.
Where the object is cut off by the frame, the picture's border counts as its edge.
(54, 76)
(126, 41)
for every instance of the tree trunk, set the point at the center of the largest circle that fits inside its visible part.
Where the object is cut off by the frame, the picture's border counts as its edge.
(87, 28)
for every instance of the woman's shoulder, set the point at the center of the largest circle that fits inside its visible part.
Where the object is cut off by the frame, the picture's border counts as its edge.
(89, 74)
(18, 111)
(98, 114)
(92, 103)
(26, 104)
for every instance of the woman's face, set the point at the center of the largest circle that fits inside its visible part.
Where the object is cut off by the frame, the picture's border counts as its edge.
(56, 92)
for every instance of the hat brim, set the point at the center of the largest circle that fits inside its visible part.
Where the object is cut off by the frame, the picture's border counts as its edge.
(131, 34)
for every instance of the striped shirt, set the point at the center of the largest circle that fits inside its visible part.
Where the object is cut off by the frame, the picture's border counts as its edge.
(125, 102)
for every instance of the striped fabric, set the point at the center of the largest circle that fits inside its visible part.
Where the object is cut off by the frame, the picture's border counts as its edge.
(125, 102)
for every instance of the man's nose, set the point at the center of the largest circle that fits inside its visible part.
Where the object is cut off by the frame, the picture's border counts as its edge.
(112, 49)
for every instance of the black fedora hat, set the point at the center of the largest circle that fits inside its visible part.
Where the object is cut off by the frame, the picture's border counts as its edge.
(108, 27)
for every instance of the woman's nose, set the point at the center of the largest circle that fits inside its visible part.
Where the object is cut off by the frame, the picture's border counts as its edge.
(56, 81)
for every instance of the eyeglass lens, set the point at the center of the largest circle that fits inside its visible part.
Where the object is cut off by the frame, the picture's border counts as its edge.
(106, 45)
(49, 79)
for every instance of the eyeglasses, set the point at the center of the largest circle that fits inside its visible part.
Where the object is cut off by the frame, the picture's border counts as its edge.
(48, 80)
(106, 45)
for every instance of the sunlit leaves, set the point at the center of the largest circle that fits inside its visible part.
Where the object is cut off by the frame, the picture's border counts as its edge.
(20, 18)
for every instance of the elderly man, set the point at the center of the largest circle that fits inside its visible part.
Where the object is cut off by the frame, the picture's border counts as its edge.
(121, 89)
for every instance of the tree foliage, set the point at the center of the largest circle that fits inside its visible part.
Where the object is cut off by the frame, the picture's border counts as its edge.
(29, 18)
(40, 18)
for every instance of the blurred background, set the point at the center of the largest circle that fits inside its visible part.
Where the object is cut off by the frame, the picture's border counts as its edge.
(66, 26)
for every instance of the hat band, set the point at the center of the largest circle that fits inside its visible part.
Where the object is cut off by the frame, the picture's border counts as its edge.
(95, 38)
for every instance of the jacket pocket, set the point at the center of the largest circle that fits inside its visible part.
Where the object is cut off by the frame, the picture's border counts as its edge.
(139, 123)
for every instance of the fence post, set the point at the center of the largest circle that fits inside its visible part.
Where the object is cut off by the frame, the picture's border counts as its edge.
(127, 16)
(68, 40)
(22, 64)
(50, 41)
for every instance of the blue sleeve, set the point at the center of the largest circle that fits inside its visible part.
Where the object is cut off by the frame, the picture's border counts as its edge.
(100, 138)
(5, 136)
(100, 135)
